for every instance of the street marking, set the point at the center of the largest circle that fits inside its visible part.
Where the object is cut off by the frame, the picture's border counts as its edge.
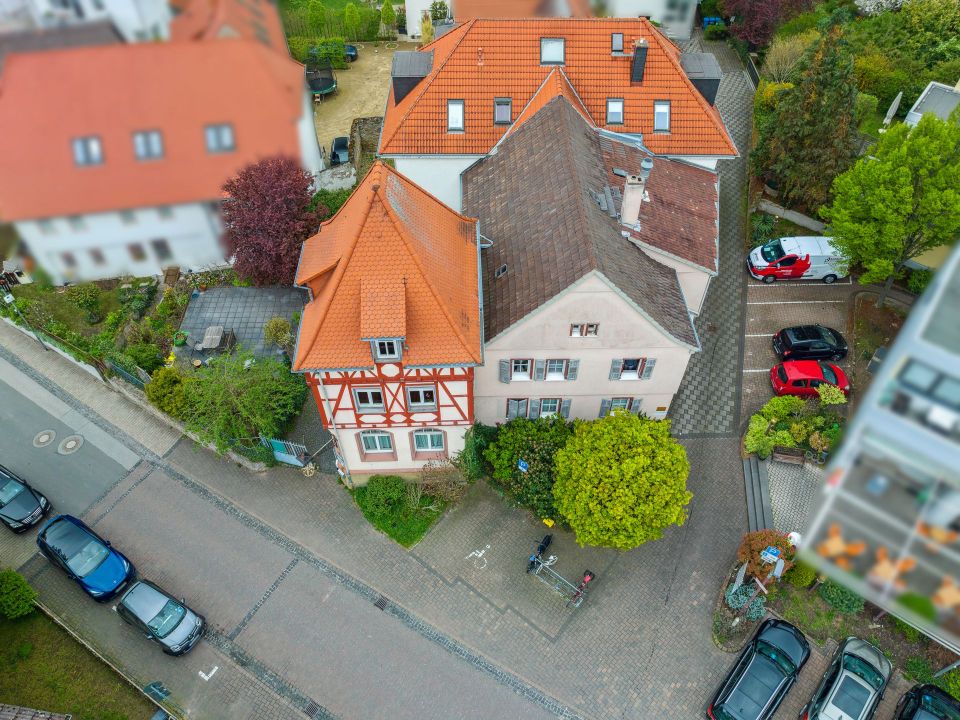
(757, 371)
(792, 302)
(758, 334)
(206, 678)
(479, 561)
(846, 281)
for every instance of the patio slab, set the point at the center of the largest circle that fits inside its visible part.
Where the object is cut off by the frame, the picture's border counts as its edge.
(244, 310)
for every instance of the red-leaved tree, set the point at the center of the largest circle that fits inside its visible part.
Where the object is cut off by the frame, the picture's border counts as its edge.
(757, 20)
(267, 216)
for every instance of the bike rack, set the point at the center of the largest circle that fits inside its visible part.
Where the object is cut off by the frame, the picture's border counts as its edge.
(548, 576)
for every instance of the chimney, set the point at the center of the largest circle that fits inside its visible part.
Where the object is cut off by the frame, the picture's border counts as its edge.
(639, 61)
(634, 193)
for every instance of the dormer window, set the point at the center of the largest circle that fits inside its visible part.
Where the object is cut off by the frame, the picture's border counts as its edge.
(616, 42)
(386, 350)
(87, 151)
(454, 115)
(551, 51)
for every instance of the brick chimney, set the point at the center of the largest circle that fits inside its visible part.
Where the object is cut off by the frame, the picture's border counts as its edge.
(639, 61)
(635, 193)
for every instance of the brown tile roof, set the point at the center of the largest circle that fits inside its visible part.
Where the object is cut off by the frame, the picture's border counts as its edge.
(393, 262)
(536, 200)
(555, 85)
(54, 38)
(486, 59)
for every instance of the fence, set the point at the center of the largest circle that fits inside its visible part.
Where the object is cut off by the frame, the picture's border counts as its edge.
(284, 451)
(132, 379)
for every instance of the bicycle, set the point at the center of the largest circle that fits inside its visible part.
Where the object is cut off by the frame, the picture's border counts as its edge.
(578, 594)
(536, 561)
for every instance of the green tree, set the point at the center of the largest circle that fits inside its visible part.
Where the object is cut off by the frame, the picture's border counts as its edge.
(237, 397)
(16, 595)
(901, 201)
(439, 11)
(166, 390)
(351, 21)
(621, 480)
(536, 443)
(388, 18)
(813, 137)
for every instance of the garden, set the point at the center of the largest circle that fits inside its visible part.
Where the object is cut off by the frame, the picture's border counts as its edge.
(812, 427)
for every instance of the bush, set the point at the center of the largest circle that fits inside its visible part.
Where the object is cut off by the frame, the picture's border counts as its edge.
(329, 48)
(918, 280)
(783, 407)
(16, 595)
(299, 46)
(755, 542)
(384, 494)
(920, 605)
(760, 440)
(919, 669)
(710, 8)
(950, 683)
(841, 598)
(762, 227)
(716, 32)
(758, 608)
(864, 106)
(801, 575)
(471, 461)
(278, 332)
(831, 395)
(166, 390)
(332, 200)
(42, 280)
(145, 356)
(87, 298)
(441, 479)
(439, 11)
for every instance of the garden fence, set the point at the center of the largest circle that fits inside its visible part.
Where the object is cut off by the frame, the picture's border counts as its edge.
(130, 378)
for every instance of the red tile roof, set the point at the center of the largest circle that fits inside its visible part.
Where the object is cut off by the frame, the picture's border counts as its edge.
(485, 59)
(250, 19)
(556, 85)
(49, 98)
(393, 262)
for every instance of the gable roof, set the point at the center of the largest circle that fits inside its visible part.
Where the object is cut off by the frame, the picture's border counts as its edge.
(536, 199)
(556, 84)
(393, 262)
(249, 19)
(47, 99)
(486, 59)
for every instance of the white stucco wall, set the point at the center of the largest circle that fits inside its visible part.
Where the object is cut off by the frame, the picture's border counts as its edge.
(415, 10)
(361, 469)
(135, 20)
(676, 16)
(437, 174)
(192, 234)
(310, 155)
(545, 334)
(705, 161)
(694, 281)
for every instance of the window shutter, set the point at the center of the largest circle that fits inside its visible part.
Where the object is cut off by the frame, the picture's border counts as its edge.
(573, 367)
(534, 408)
(615, 366)
(504, 371)
(540, 369)
(565, 408)
(635, 405)
(605, 407)
(513, 406)
(522, 406)
(648, 365)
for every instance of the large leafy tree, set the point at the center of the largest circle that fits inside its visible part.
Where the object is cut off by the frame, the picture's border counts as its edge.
(267, 215)
(901, 201)
(757, 20)
(621, 480)
(813, 136)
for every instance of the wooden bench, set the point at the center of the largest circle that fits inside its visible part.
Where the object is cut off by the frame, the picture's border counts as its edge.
(793, 456)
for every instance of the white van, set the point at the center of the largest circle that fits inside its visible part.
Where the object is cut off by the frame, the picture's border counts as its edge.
(799, 258)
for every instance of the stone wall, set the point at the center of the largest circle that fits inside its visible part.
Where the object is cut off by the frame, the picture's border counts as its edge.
(364, 137)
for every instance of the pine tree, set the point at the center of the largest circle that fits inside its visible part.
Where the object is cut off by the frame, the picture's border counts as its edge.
(813, 137)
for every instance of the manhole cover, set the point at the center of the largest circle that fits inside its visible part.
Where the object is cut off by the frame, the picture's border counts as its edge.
(44, 438)
(70, 444)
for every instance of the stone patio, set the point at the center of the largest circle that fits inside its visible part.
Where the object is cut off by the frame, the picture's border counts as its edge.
(244, 310)
(794, 493)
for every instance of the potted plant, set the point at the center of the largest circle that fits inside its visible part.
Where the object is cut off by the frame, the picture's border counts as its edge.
(180, 338)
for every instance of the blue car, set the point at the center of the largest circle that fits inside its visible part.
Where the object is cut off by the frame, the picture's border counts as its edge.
(350, 53)
(85, 557)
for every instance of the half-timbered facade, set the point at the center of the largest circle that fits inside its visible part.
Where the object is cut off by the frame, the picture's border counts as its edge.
(391, 336)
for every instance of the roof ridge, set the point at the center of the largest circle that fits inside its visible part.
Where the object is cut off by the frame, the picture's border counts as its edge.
(425, 83)
(572, 158)
(583, 105)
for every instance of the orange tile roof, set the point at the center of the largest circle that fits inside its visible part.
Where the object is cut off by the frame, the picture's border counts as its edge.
(49, 98)
(484, 59)
(556, 85)
(250, 19)
(393, 262)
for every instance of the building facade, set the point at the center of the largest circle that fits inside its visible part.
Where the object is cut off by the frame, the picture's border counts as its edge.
(134, 20)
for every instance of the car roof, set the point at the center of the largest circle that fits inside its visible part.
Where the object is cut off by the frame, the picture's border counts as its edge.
(803, 244)
(797, 369)
(144, 600)
(753, 690)
(785, 637)
(830, 711)
(868, 652)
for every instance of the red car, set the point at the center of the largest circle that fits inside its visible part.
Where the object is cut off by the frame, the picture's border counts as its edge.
(801, 377)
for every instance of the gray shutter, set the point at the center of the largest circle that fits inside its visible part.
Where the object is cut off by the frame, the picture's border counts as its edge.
(635, 405)
(605, 407)
(565, 408)
(573, 367)
(615, 367)
(648, 365)
(504, 371)
(540, 369)
(534, 408)
(522, 406)
(512, 408)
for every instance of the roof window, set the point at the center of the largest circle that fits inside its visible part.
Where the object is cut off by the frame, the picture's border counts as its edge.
(502, 111)
(219, 138)
(87, 151)
(454, 115)
(661, 116)
(616, 42)
(551, 51)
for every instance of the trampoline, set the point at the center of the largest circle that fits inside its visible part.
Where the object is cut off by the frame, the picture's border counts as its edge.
(321, 79)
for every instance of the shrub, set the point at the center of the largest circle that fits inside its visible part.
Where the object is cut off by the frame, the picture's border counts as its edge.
(760, 440)
(799, 431)
(918, 280)
(864, 106)
(831, 395)
(145, 356)
(299, 46)
(87, 298)
(42, 279)
(736, 599)
(277, 331)
(819, 442)
(710, 8)
(758, 607)
(920, 605)
(166, 391)
(439, 11)
(471, 461)
(16, 595)
(332, 200)
(384, 495)
(754, 542)
(716, 32)
(801, 575)
(762, 227)
(443, 480)
(841, 598)
(783, 407)
(919, 669)
(329, 48)
(388, 16)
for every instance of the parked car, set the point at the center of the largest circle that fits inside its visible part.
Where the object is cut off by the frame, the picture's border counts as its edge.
(338, 151)
(86, 558)
(161, 617)
(809, 342)
(762, 675)
(927, 702)
(807, 258)
(853, 684)
(21, 507)
(351, 53)
(803, 377)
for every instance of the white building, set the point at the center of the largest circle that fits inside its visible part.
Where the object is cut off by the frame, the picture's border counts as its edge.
(135, 20)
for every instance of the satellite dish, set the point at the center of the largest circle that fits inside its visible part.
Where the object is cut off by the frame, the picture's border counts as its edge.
(894, 106)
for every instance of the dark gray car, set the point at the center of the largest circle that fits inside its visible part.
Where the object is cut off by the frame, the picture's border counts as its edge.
(21, 507)
(161, 618)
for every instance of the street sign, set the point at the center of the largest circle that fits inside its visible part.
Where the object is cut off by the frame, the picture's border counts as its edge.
(523, 465)
(770, 554)
(8, 298)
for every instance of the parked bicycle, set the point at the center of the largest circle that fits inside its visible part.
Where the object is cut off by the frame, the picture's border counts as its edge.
(578, 594)
(536, 560)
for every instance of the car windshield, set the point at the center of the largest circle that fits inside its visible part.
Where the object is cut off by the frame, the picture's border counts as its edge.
(9, 489)
(82, 552)
(851, 697)
(826, 335)
(780, 658)
(938, 708)
(772, 251)
(167, 619)
(828, 374)
(721, 714)
(863, 669)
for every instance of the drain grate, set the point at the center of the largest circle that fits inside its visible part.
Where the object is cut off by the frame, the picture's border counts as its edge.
(311, 710)
(380, 602)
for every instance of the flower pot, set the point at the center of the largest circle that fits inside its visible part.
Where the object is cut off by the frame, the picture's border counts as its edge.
(179, 338)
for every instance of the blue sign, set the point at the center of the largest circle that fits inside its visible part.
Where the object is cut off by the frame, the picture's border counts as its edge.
(770, 555)
(523, 465)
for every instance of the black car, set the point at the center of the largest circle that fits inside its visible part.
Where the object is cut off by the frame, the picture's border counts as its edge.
(927, 702)
(338, 151)
(21, 507)
(809, 342)
(161, 617)
(351, 53)
(762, 675)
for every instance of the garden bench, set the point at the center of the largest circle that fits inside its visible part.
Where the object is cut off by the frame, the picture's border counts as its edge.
(793, 456)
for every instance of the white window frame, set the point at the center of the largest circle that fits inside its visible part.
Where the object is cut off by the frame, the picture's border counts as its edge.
(219, 138)
(455, 124)
(77, 223)
(548, 51)
(431, 436)
(148, 145)
(521, 374)
(370, 407)
(612, 103)
(616, 39)
(549, 413)
(584, 329)
(378, 436)
(420, 404)
(560, 374)
(503, 102)
(661, 109)
(631, 374)
(87, 151)
(620, 403)
(382, 346)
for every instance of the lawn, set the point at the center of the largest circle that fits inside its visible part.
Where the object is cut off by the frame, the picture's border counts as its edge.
(54, 304)
(43, 667)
